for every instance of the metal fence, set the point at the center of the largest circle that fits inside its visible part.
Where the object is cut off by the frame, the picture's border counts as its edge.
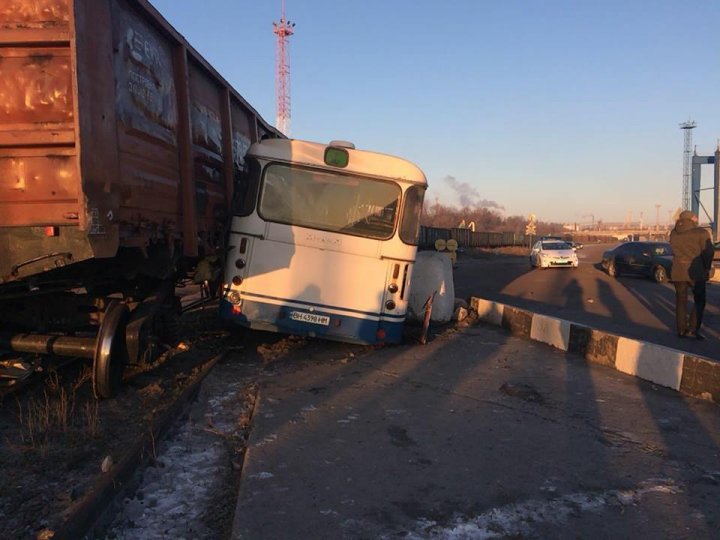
(468, 238)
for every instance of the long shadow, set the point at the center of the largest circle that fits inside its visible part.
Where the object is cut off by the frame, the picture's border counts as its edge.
(573, 294)
(659, 300)
(429, 424)
(469, 281)
(686, 427)
(615, 306)
(620, 319)
(686, 438)
(693, 467)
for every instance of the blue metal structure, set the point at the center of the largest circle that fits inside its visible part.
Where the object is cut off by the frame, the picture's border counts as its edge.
(697, 163)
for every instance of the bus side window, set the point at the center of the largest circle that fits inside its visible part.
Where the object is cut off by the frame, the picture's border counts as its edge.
(410, 225)
(245, 190)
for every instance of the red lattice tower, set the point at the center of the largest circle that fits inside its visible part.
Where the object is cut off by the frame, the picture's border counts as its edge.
(283, 30)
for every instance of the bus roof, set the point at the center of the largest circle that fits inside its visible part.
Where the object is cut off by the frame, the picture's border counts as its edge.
(360, 162)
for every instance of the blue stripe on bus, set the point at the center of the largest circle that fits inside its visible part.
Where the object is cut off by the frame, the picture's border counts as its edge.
(245, 296)
(264, 316)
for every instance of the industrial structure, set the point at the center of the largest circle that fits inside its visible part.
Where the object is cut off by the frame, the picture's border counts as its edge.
(692, 168)
(283, 29)
(695, 189)
(687, 127)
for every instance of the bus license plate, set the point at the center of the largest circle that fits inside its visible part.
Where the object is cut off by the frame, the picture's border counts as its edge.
(310, 318)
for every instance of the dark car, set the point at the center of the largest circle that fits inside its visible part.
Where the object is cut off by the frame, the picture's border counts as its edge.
(649, 259)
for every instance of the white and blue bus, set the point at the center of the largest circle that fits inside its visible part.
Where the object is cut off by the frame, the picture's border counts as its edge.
(323, 241)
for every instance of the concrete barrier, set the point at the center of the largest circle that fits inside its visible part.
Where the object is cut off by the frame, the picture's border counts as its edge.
(691, 375)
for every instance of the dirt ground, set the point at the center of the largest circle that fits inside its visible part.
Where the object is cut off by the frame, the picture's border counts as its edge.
(56, 439)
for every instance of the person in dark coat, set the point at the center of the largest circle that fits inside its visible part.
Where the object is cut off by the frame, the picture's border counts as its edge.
(692, 259)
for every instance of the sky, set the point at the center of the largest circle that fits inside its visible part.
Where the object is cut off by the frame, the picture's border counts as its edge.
(567, 109)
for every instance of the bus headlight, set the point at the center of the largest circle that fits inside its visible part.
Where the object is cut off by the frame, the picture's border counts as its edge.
(390, 304)
(240, 263)
(233, 297)
(393, 288)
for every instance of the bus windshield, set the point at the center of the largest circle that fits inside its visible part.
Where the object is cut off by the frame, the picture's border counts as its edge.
(329, 201)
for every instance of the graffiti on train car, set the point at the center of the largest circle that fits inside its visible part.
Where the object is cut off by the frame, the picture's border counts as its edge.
(145, 89)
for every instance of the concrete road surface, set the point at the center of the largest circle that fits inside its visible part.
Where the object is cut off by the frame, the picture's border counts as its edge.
(476, 435)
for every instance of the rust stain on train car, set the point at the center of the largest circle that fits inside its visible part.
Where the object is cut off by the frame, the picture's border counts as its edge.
(36, 178)
(36, 88)
(34, 11)
(38, 175)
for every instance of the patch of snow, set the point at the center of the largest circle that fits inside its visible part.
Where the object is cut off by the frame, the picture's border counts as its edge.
(516, 519)
(269, 439)
(174, 495)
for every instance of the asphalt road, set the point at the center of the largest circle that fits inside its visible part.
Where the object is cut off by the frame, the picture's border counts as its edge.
(634, 307)
(478, 434)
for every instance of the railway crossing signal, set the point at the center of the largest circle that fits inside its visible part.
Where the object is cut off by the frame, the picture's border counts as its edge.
(531, 228)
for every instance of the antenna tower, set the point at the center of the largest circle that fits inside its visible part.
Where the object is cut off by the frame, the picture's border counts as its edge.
(687, 164)
(283, 30)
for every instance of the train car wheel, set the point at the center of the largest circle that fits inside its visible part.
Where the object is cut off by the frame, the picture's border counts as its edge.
(110, 351)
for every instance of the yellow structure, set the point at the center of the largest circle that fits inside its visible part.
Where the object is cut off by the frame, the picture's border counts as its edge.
(449, 245)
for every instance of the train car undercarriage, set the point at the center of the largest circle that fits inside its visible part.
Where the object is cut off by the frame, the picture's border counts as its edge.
(107, 311)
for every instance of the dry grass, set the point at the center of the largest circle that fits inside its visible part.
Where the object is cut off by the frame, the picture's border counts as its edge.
(61, 411)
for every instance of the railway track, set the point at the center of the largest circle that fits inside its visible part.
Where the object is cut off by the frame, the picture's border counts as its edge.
(60, 445)
(69, 459)
(189, 487)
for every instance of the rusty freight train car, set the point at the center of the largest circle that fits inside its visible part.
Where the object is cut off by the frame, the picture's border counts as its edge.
(120, 151)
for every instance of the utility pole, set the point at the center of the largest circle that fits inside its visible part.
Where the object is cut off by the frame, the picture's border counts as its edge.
(657, 217)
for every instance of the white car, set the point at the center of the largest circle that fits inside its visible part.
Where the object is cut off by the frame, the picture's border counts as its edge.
(548, 253)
